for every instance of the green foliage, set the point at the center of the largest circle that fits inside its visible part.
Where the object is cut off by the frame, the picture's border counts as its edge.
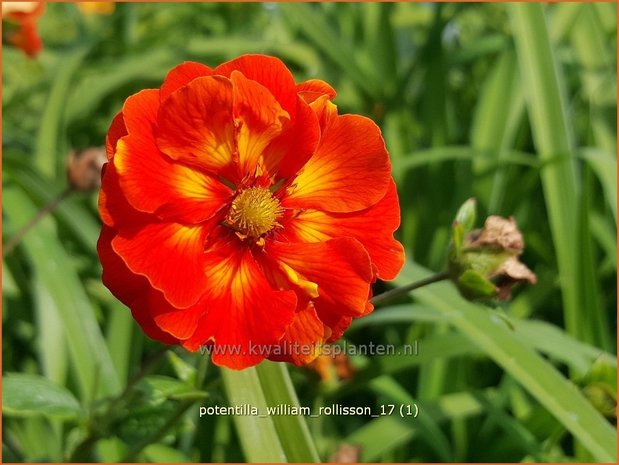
(33, 395)
(511, 104)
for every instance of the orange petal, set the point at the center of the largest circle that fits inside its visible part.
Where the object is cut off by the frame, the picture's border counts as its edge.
(312, 89)
(289, 152)
(128, 287)
(151, 181)
(170, 255)
(195, 126)
(22, 11)
(140, 111)
(340, 267)
(124, 284)
(325, 110)
(182, 75)
(259, 119)
(116, 131)
(141, 314)
(245, 315)
(268, 71)
(113, 205)
(179, 323)
(337, 324)
(301, 342)
(373, 227)
(350, 170)
(27, 39)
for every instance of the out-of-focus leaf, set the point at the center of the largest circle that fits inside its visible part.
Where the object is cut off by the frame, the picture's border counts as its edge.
(160, 453)
(604, 165)
(9, 286)
(157, 389)
(51, 121)
(534, 374)
(25, 395)
(91, 360)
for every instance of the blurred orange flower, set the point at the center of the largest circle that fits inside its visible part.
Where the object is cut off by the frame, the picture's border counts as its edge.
(242, 212)
(97, 8)
(332, 367)
(25, 15)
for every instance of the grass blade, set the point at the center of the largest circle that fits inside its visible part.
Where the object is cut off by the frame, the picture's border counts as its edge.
(546, 105)
(258, 436)
(536, 375)
(51, 120)
(93, 367)
(292, 429)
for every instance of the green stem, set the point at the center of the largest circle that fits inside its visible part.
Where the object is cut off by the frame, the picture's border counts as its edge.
(400, 291)
(42, 213)
(148, 366)
(157, 435)
(99, 425)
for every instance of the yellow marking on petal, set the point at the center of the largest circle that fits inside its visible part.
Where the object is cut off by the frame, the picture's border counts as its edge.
(191, 183)
(184, 235)
(308, 286)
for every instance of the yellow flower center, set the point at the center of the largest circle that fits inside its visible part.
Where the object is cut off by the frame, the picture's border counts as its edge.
(254, 212)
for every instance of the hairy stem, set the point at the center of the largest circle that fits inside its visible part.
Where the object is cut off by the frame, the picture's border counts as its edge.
(399, 291)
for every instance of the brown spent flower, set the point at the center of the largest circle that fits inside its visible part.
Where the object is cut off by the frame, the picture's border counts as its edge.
(504, 235)
(498, 232)
(346, 453)
(484, 262)
(84, 168)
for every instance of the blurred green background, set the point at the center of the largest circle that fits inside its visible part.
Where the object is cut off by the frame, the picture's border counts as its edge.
(512, 104)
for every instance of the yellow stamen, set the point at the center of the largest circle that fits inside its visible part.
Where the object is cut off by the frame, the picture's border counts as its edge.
(254, 212)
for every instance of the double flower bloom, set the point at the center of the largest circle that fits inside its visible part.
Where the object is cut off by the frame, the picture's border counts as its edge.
(240, 208)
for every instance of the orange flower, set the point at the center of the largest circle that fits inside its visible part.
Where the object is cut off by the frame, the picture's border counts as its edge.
(97, 8)
(26, 15)
(243, 214)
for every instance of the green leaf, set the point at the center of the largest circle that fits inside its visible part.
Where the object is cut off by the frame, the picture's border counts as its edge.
(101, 81)
(473, 285)
(277, 438)
(157, 389)
(51, 334)
(51, 121)
(428, 426)
(551, 134)
(292, 429)
(604, 165)
(25, 395)
(497, 117)
(160, 453)
(42, 190)
(539, 335)
(91, 360)
(382, 434)
(9, 286)
(258, 435)
(534, 374)
(305, 17)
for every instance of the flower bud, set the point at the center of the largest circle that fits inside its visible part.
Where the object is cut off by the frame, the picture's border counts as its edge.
(483, 263)
(599, 385)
